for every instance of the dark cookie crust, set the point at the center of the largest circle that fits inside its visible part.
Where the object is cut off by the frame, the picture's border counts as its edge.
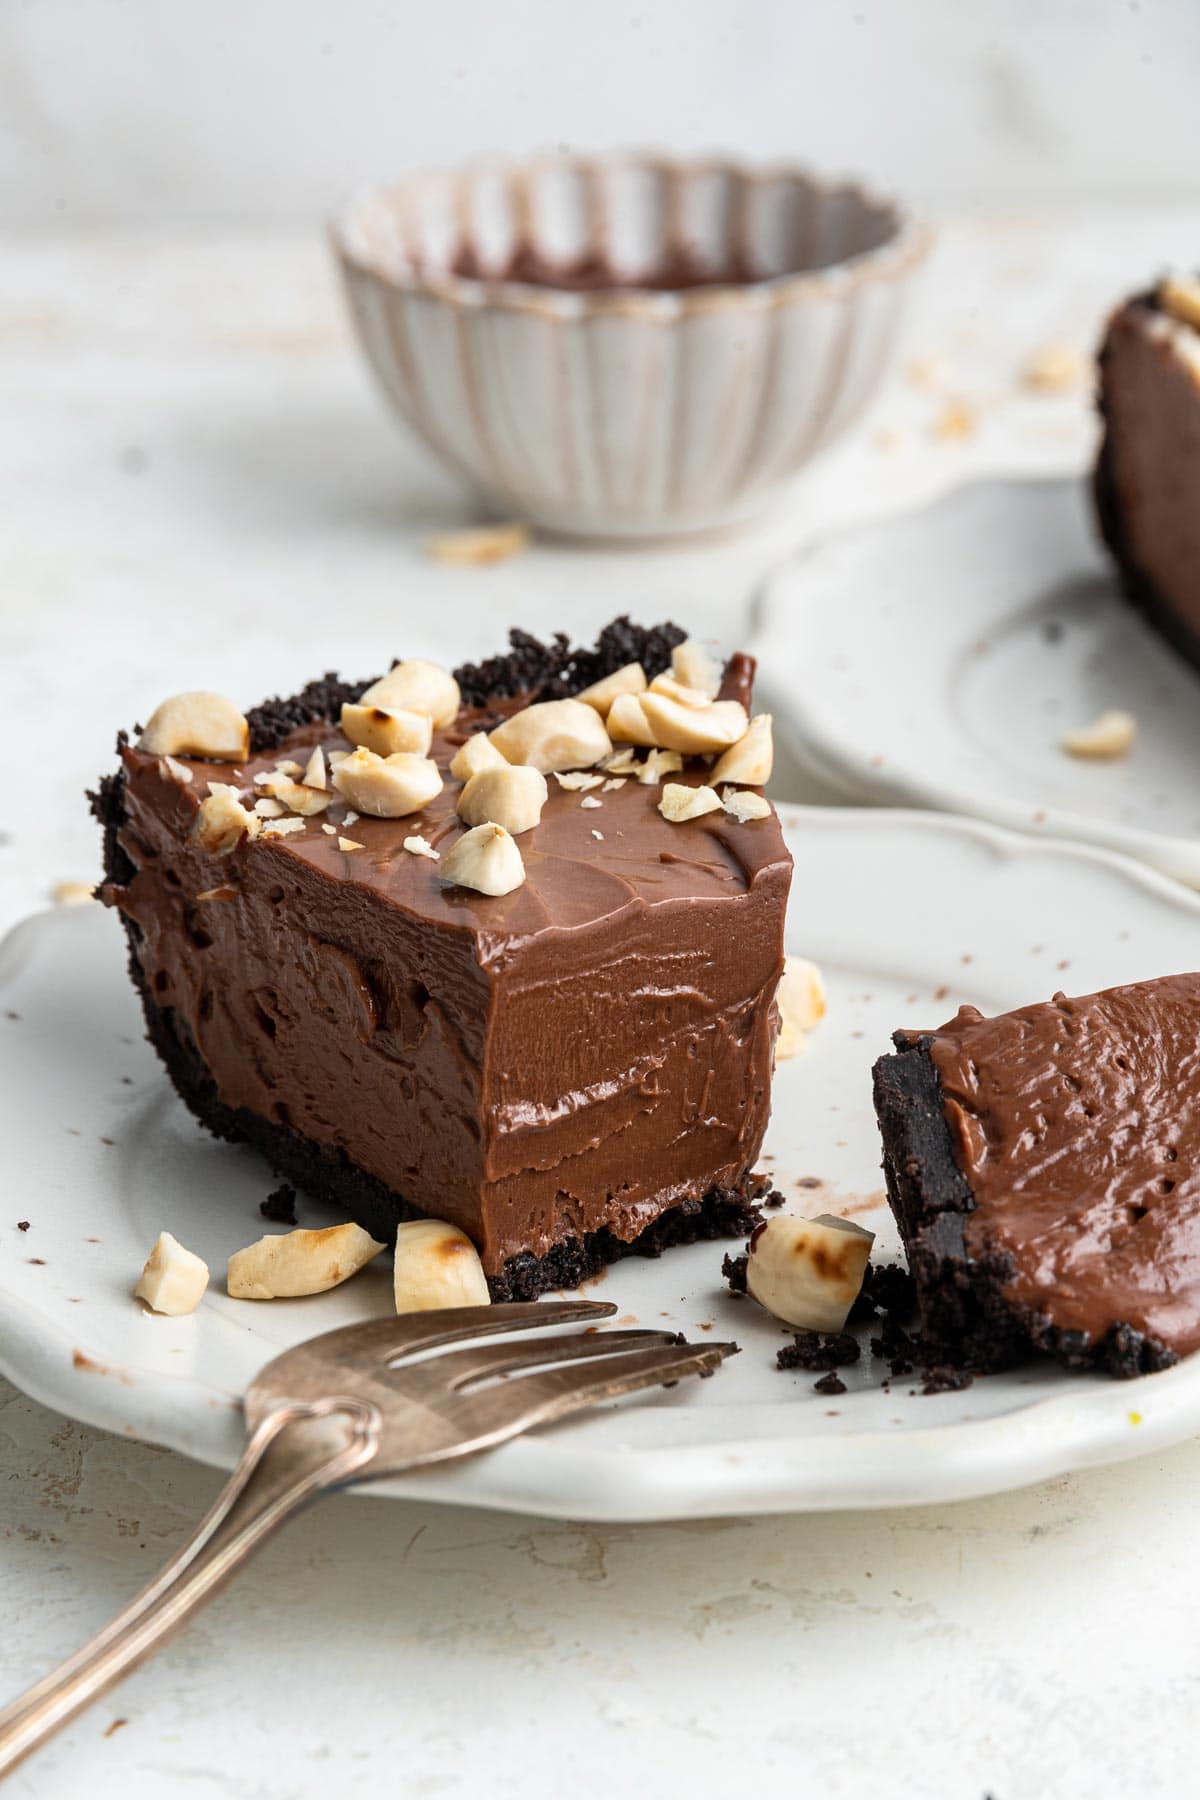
(549, 672)
(1136, 585)
(555, 671)
(966, 1321)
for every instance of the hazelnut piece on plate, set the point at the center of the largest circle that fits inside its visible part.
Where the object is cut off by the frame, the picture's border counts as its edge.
(808, 1271)
(293, 1263)
(173, 1280)
(436, 1266)
(800, 998)
(1106, 739)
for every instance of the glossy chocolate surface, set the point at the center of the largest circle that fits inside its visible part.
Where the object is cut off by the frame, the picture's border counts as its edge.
(1077, 1125)
(583, 1052)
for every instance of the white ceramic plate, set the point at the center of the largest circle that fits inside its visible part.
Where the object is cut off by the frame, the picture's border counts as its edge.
(937, 658)
(906, 913)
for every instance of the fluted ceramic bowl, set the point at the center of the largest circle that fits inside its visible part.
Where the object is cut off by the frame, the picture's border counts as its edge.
(618, 409)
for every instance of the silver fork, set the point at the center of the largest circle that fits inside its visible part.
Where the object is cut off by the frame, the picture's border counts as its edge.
(354, 1406)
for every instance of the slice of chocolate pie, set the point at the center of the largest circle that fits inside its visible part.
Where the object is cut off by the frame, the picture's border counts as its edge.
(1147, 481)
(1044, 1169)
(566, 1049)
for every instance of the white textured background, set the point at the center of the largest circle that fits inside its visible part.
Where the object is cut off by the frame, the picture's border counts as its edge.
(169, 110)
(186, 434)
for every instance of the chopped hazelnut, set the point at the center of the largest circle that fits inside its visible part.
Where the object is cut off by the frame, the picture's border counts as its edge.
(222, 821)
(477, 754)
(627, 721)
(629, 680)
(292, 1263)
(800, 998)
(419, 846)
(624, 761)
(808, 1272)
(436, 1266)
(680, 803)
(387, 787)
(1179, 296)
(512, 796)
(553, 735)
(744, 806)
(73, 893)
(749, 762)
(1053, 369)
(1106, 739)
(416, 686)
(658, 764)
(674, 689)
(693, 730)
(295, 796)
(692, 665)
(479, 544)
(197, 724)
(485, 859)
(173, 1280)
(387, 731)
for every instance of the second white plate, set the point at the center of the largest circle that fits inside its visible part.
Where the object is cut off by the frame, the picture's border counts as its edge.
(935, 659)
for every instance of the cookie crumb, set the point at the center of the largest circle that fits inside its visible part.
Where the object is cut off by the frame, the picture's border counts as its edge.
(819, 1350)
(280, 1205)
(733, 1268)
(944, 1380)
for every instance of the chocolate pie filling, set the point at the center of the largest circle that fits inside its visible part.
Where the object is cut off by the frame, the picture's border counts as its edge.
(565, 1063)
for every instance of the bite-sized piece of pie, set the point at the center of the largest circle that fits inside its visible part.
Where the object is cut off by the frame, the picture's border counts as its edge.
(1044, 1169)
(1147, 481)
(436, 945)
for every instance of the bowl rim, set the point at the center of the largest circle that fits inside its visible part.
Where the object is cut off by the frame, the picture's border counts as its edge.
(901, 252)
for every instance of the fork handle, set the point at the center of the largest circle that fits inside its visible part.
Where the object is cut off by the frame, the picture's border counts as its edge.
(295, 1455)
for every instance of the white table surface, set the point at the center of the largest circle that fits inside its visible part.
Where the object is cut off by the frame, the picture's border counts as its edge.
(200, 489)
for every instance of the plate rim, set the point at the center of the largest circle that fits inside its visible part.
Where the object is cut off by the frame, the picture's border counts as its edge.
(770, 617)
(1070, 1428)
